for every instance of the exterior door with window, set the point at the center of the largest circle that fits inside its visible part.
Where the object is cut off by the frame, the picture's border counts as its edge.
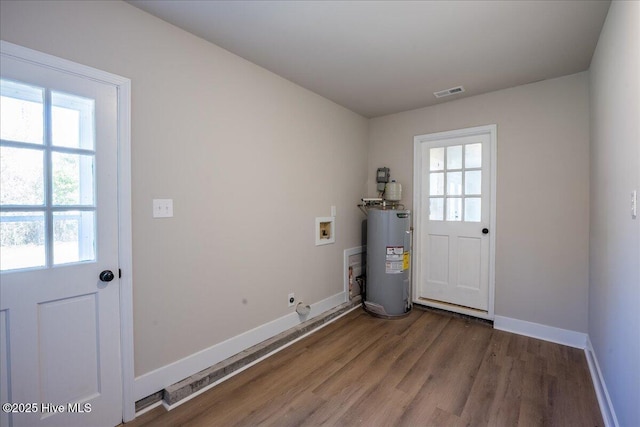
(454, 220)
(59, 316)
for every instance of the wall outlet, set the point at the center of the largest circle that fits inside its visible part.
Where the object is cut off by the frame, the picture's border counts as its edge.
(291, 299)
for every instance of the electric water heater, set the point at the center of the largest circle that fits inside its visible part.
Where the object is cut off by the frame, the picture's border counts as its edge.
(388, 284)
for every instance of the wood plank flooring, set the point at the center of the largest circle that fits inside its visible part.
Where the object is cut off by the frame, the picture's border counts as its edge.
(426, 369)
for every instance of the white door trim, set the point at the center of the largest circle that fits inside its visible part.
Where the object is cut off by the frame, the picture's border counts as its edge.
(125, 256)
(492, 131)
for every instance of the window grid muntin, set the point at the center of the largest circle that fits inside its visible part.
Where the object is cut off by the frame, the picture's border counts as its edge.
(463, 195)
(48, 209)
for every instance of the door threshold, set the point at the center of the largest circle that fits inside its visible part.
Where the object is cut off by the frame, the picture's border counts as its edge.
(454, 308)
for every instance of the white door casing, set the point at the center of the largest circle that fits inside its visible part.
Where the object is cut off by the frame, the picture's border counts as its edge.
(454, 206)
(66, 337)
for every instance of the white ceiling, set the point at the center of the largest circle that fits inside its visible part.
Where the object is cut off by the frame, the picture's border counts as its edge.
(382, 57)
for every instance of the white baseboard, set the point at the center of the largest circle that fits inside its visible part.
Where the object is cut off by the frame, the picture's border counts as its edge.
(160, 378)
(543, 332)
(247, 366)
(606, 408)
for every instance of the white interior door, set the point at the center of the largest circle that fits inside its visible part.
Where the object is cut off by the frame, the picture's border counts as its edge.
(454, 220)
(59, 317)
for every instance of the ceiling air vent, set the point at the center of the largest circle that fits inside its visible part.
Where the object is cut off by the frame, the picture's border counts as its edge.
(448, 92)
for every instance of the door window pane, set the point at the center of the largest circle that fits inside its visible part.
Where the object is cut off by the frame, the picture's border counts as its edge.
(436, 208)
(21, 112)
(455, 180)
(73, 236)
(436, 159)
(454, 183)
(472, 209)
(454, 157)
(473, 155)
(22, 176)
(472, 182)
(436, 184)
(22, 240)
(454, 209)
(72, 176)
(72, 119)
(62, 163)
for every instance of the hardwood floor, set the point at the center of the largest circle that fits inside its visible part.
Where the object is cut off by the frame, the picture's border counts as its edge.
(423, 370)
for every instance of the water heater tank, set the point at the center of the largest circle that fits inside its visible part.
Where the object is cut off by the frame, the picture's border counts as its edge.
(388, 286)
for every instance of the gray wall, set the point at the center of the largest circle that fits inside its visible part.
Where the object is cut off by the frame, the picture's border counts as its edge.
(542, 189)
(249, 158)
(614, 291)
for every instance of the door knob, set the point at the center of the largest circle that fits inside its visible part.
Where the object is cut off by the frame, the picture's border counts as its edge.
(485, 231)
(107, 276)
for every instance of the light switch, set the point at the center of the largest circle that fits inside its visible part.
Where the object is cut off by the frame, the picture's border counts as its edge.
(162, 208)
(333, 211)
(634, 204)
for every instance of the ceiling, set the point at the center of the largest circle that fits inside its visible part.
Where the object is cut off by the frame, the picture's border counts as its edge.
(383, 57)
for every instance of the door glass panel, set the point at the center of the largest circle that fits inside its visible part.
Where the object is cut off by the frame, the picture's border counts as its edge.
(63, 163)
(72, 179)
(72, 119)
(22, 176)
(436, 159)
(454, 157)
(22, 240)
(472, 182)
(473, 155)
(21, 112)
(472, 209)
(454, 209)
(436, 208)
(73, 236)
(454, 183)
(436, 184)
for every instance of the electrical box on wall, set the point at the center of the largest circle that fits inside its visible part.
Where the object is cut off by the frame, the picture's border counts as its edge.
(382, 177)
(325, 230)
